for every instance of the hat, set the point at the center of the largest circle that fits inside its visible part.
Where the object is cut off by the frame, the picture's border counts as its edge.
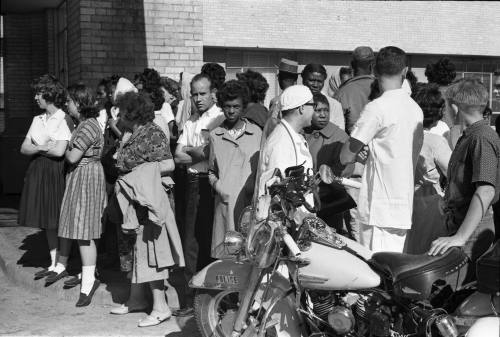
(289, 66)
(363, 54)
(123, 86)
(295, 96)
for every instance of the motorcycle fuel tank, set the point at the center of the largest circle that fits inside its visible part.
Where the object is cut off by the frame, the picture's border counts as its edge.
(337, 268)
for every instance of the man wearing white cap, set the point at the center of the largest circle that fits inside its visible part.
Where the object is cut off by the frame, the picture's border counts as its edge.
(285, 146)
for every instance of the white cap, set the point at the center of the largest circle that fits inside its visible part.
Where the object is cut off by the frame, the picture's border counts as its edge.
(295, 96)
(123, 86)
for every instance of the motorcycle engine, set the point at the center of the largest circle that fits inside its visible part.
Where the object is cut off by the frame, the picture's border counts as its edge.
(327, 307)
(372, 316)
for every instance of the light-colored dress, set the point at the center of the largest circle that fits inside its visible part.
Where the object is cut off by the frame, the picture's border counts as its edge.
(85, 196)
(428, 221)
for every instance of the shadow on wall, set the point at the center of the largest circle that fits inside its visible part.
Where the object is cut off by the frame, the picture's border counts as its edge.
(99, 38)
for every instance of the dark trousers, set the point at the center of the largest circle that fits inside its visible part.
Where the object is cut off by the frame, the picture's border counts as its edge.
(195, 228)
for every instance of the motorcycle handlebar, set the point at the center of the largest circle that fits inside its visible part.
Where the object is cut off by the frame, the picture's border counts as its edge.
(290, 243)
(350, 183)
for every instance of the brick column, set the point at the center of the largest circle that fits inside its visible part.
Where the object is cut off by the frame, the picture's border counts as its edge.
(124, 37)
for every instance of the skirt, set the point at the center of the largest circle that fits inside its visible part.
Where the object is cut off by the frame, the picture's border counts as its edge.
(42, 194)
(83, 202)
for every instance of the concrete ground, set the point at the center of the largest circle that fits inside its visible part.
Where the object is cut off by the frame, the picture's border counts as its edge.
(24, 312)
(27, 307)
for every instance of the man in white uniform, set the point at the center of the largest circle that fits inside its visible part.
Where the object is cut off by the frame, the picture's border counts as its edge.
(285, 146)
(391, 127)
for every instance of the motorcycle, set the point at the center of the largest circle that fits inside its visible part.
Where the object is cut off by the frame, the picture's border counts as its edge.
(287, 273)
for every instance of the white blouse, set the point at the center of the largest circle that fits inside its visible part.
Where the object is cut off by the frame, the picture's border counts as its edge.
(56, 127)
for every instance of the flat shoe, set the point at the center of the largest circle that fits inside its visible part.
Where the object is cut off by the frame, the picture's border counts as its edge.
(54, 277)
(72, 282)
(85, 300)
(42, 273)
(123, 310)
(154, 319)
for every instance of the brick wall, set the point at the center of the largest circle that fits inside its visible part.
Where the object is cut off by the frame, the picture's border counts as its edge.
(25, 38)
(26, 57)
(123, 37)
(422, 27)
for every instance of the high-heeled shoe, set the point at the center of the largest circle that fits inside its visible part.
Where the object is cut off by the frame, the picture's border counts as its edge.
(85, 300)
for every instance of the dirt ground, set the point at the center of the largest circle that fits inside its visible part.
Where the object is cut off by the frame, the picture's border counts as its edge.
(26, 313)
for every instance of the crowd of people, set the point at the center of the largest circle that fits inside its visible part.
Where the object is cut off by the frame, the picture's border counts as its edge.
(150, 174)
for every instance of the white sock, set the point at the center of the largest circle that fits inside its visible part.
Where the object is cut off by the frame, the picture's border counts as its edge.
(59, 268)
(53, 253)
(88, 279)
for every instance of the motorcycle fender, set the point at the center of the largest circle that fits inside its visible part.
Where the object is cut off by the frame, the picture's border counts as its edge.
(281, 302)
(222, 275)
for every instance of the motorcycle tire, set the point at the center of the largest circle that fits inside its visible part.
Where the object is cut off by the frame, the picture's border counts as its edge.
(207, 313)
(215, 312)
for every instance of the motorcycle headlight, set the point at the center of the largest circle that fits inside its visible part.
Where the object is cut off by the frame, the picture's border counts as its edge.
(233, 242)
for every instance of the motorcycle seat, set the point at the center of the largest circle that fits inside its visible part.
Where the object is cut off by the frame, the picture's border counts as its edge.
(413, 275)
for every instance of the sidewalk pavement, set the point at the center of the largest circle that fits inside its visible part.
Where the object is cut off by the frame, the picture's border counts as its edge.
(23, 251)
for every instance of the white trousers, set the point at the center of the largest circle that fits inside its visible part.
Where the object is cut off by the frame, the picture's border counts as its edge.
(382, 239)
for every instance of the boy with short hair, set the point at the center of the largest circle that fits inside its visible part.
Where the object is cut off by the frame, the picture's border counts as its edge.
(391, 127)
(473, 176)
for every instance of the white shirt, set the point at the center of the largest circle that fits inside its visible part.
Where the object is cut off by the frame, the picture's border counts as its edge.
(440, 129)
(102, 119)
(56, 127)
(197, 133)
(282, 151)
(389, 125)
(336, 112)
(167, 113)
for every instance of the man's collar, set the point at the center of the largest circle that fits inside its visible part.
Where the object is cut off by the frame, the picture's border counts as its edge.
(468, 130)
(214, 110)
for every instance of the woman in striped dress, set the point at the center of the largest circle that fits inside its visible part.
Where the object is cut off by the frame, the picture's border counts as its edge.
(85, 195)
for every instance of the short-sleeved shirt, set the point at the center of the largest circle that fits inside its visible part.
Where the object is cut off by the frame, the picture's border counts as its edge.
(197, 133)
(391, 126)
(475, 159)
(89, 139)
(325, 144)
(353, 96)
(147, 144)
(56, 127)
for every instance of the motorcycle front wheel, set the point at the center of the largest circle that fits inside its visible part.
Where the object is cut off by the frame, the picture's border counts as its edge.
(215, 312)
